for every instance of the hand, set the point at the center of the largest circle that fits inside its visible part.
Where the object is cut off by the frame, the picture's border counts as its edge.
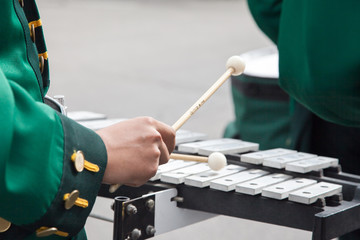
(135, 149)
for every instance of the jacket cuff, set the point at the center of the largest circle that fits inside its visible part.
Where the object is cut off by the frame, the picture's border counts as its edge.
(86, 182)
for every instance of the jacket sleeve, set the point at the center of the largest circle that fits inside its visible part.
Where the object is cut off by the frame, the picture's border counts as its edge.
(266, 14)
(37, 166)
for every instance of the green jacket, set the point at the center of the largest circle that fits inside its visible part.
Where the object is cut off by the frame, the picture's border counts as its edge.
(319, 53)
(37, 143)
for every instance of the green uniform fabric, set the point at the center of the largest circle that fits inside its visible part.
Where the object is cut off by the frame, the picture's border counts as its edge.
(261, 109)
(319, 66)
(37, 142)
(319, 54)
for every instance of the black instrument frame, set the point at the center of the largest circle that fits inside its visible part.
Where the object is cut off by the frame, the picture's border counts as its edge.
(326, 218)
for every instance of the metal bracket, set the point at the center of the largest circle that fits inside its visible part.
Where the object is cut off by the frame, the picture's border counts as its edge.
(142, 217)
(134, 219)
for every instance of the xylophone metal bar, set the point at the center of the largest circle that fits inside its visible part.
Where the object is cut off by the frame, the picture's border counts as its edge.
(334, 175)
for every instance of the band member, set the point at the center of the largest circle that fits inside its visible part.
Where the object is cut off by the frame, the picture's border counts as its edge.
(51, 168)
(319, 66)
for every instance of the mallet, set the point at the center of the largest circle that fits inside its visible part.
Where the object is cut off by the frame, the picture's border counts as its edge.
(216, 160)
(235, 66)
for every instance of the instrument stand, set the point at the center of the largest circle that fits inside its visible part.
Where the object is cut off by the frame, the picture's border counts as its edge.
(175, 206)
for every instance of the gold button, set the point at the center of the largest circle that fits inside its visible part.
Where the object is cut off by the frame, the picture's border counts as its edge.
(41, 64)
(71, 199)
(79, 161)
(21, 3)
(45, 232)
(4, 225)
(32, 32)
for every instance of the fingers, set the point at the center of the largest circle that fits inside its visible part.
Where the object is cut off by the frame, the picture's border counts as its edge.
(167, 143)
(164, 153)
(135, 149)
(168, 135)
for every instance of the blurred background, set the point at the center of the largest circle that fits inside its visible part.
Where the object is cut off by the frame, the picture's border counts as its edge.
(134, 58)
(128, 58)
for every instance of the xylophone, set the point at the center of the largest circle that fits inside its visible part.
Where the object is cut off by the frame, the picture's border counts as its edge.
(277, 186)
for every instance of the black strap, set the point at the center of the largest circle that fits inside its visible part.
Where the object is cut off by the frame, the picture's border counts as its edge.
(263, 91)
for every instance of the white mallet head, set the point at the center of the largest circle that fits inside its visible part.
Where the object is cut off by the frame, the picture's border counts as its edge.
(237, 63)
(217, 161)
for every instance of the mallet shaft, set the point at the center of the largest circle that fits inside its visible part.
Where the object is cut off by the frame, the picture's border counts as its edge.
(203, 99)
(184, 157)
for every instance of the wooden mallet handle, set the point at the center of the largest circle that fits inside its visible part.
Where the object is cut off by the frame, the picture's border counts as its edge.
(184, 157)
(216, 160)
(235, 66)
